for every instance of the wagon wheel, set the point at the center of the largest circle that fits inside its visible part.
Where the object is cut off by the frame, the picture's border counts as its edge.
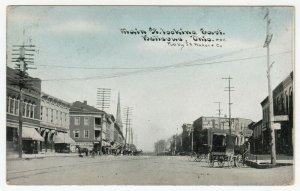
(206, 158)
(192, 156)
(198, 158)
(211, 160)
(239, 161)
(221, 161)
(230, 161)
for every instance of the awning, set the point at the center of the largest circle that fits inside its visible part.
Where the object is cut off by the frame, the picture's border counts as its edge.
(105, 144)
(63, 138)
(223, 134)
(31, 133)
(116, 145)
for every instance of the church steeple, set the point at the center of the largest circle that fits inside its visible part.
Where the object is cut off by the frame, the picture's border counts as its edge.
(118, 116)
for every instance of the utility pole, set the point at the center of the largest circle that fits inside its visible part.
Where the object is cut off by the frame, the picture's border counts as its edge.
(22, 61)
(270, 97)
(175, 144)
(229, 89)
(131, 136)
(103, 102)
(192, 134)
(219, 114)
(127, 112)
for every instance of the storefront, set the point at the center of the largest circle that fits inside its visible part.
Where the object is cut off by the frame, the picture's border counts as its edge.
(30, 138)
(62, 142)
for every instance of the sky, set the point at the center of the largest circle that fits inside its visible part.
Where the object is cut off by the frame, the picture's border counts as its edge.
(81, 48)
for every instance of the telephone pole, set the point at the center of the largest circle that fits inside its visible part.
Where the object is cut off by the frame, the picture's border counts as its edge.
(103, 102)
(219, 113)
(270, 97)
(23, 59)
(229, 89)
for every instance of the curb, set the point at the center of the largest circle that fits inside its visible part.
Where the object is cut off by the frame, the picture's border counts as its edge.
(266, 165)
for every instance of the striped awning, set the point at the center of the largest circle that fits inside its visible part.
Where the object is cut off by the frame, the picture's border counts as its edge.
(116, 145)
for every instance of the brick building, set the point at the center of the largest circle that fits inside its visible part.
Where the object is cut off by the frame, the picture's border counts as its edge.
(54, 123)
(237, 127)
(282, 105)
(87, 126)
(31, 113)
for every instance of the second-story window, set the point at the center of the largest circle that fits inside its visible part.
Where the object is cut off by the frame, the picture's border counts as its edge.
(41, 113)
(76, 134)
(86, 121)
(61, 121)
(76, 121)
(86, 134)
(17, 107)
(32, 111)
(51, 115)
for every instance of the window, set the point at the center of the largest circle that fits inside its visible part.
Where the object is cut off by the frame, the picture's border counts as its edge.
(86, 134)
(86, 120)
(23, 108)
(28, 108)
(98, 121)
(41, 112)
(76, 134)
(51, 115)
(7, 102)
(32, 111)
(76, 121)
(61, 118)
(12, 103)
(17, 107)
(47, 112)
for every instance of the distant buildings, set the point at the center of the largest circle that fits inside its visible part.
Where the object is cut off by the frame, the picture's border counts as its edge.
(94, 129)
(86, 124)
(187, 136)
(237, 127)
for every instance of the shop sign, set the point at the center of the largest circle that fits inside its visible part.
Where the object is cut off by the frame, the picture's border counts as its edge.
(247, 132)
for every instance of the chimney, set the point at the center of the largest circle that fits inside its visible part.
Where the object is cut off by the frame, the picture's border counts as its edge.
(85, 102)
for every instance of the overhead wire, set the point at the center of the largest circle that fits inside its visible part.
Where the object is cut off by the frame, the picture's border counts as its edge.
(178, 65)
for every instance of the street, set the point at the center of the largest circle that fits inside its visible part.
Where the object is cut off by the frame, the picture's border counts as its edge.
(137, 170)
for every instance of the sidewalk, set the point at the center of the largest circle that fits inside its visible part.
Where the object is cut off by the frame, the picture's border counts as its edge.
(264, 161)
(14, 156)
